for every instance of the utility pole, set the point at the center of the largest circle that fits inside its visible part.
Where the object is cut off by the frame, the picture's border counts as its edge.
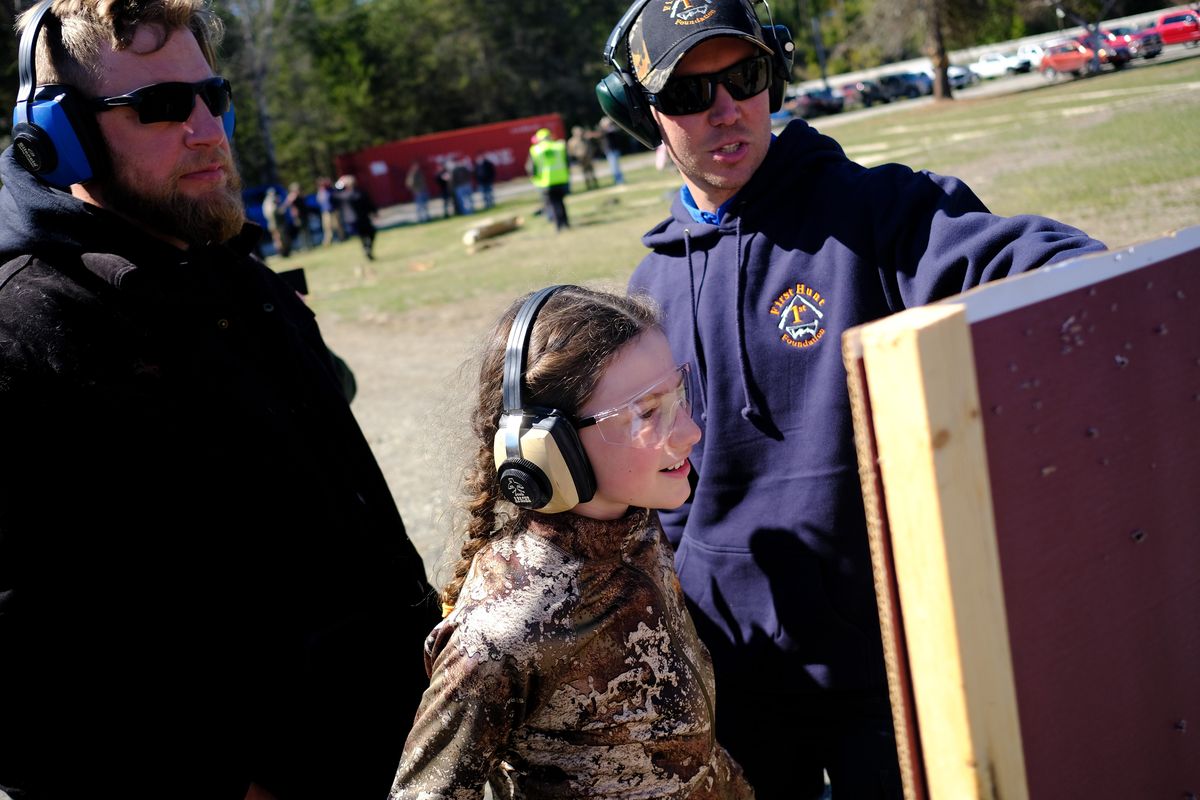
(818, 44)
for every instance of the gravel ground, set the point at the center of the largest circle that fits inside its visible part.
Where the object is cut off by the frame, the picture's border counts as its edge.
(412, 391)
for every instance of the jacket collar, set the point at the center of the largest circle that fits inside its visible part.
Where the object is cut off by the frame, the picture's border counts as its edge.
(589, 538)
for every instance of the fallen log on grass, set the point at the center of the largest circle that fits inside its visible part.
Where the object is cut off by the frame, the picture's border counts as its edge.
(489, 228)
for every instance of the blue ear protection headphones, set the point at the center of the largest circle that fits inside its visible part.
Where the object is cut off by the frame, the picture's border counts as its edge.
(623, 99)
(55, 134)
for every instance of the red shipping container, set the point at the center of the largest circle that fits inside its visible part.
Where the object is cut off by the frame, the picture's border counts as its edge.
(381, 170)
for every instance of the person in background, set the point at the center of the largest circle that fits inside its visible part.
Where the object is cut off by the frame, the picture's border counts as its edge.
(611, 139)
(774, 247)
(443, 182)
(358, 212)
(549, 171)
(298, 213)
(285, 223)
(330, 223)
(206, 589)
(415, 181)
(485, 176)
(566, 665)
(460, 183)
(579, 147)
(270, 210)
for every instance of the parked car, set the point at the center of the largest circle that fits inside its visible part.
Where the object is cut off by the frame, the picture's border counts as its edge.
(906, 84)
(1178, 27)
(1032, 53)
(817, 103)
(1141, 43)
(961, 77)
(1112, 51)
(997, 65)
(863, 93)
(1065, 58)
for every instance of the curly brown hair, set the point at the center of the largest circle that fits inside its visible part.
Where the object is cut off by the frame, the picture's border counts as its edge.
(577, 333)
(77, 31)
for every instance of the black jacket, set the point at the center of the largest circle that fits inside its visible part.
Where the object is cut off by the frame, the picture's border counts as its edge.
(204, 580)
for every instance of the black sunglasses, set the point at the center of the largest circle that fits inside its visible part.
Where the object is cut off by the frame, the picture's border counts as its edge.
(691, 94)
(171, 102)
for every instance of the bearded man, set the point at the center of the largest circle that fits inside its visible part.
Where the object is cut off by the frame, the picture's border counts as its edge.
(206, 589)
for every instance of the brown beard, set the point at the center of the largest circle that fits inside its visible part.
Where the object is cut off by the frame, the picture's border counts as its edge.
(213, 218)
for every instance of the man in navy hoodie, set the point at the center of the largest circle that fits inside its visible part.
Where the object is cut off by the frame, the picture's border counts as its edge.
(206, 590)
(774, 247)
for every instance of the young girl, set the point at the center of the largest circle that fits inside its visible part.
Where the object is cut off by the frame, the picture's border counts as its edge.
(568, 665)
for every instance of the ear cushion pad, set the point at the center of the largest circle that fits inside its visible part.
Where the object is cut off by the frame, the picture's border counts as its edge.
(623, 104)
(59, 141)
(552, 473)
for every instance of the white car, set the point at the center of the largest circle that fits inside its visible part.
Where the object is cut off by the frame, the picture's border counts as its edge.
(997, 65)
(1032, 53)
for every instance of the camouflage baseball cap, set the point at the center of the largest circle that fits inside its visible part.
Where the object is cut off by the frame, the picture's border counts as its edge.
(667, 29)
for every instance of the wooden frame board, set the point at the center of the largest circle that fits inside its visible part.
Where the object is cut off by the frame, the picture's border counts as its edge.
(1030, 455)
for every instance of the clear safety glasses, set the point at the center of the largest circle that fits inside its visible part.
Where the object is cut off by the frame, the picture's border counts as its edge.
(649, 418)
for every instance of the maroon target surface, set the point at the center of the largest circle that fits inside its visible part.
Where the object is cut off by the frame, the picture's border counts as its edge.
(1091, 406)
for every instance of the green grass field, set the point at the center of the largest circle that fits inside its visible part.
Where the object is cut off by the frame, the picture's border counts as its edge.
(1117, 155)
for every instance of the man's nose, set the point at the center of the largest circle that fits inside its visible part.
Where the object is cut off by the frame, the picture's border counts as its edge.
(204, 127)
(724, 108)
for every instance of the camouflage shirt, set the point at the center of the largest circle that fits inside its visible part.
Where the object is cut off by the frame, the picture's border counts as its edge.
(569, 669)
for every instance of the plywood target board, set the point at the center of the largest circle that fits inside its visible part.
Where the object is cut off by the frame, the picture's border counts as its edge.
(1030, 455)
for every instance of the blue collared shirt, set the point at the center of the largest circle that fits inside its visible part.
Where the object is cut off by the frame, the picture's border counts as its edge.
(709, 217)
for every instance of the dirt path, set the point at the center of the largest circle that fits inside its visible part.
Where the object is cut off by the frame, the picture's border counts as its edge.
(411, 390)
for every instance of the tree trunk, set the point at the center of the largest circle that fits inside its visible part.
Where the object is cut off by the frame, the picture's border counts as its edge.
(935, 48)
(258, 28)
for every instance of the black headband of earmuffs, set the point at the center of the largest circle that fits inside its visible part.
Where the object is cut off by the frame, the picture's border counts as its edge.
(515, 352)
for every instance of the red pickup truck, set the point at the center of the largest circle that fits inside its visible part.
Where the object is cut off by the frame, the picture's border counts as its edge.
(1178, 27)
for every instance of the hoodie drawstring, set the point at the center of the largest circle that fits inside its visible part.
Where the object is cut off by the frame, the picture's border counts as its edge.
(701, 371)
(750, 411)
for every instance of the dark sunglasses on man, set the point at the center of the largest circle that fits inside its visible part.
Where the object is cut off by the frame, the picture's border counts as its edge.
(171, 102)
(691, 94)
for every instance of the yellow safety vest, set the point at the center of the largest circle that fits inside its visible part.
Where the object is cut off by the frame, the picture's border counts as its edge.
(549, 163)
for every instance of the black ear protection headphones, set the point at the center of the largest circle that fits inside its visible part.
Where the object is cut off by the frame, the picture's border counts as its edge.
(540, 461)
(55, 135)
(624, 100)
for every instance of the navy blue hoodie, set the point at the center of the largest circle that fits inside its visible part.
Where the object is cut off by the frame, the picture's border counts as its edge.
(772, 552)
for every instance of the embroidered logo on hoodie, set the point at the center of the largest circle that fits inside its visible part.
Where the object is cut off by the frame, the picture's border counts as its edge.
(801, 320)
